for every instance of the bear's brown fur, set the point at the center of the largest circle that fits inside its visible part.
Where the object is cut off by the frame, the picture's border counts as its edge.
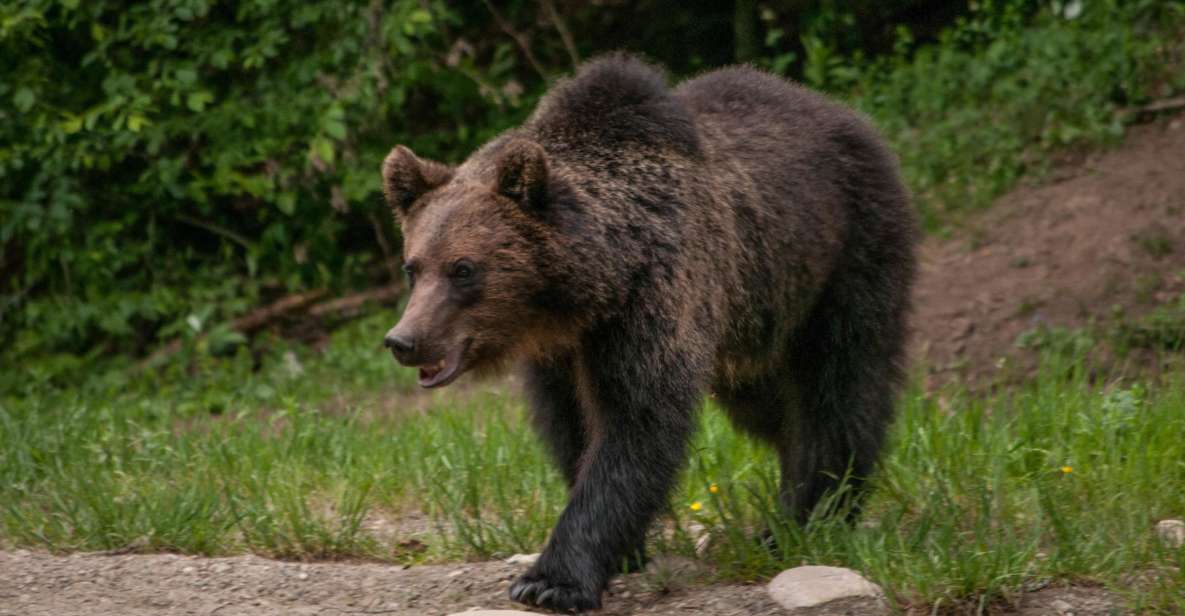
(633, 247)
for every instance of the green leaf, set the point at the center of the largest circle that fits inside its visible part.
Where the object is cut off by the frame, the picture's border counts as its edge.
(24, 99)
(337, 130)
(71, 125)
(197, 101)
(323, 149)
(136, 122)
(286, 203)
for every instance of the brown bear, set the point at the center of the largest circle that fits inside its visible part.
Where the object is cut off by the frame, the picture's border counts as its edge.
(632, 247)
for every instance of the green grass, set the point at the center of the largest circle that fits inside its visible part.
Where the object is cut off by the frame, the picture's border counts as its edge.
(971, 507)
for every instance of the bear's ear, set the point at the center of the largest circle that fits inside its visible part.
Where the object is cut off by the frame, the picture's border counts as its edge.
(522, 173)
(406, 177)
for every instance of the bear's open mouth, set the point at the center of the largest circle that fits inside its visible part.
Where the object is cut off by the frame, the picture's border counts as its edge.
(443, 371)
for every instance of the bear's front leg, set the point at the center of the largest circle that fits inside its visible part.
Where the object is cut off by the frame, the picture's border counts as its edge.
(641, 420)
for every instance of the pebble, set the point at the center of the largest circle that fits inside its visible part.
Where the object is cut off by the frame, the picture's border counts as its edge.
(1062, 608)
(812, 586)
(523, 559)
(703, 539)
(1171, 532)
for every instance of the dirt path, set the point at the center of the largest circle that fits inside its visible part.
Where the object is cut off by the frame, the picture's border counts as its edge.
(34, 584)
(38, 584)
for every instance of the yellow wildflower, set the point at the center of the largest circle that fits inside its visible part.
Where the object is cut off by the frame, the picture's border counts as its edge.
(713, 488)
(696, 506)
(1066, 470)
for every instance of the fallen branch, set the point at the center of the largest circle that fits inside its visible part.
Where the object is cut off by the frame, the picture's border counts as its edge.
(1167, 104)
(246, 324)
(350, 305)
(256, 319)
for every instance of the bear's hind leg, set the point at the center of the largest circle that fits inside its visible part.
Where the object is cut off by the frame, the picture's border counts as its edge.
(847, 364)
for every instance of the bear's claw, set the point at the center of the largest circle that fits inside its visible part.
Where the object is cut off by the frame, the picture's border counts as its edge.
(537, 590)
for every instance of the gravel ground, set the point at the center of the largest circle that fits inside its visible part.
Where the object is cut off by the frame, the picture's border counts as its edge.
(35, 584)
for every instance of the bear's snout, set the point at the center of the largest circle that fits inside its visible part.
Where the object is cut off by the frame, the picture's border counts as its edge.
(402, 347)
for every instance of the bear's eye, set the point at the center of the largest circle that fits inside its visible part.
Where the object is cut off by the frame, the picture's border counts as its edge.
(410, 270)
(462, 271)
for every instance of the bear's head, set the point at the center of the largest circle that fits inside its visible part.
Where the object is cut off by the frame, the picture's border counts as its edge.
(475, 247)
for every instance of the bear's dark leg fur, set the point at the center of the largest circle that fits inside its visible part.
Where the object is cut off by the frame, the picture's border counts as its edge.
(557, 417)
(550, 387)
(847, 366)
(644, 395)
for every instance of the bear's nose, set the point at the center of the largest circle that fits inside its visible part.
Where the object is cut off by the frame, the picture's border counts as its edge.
(399, 345)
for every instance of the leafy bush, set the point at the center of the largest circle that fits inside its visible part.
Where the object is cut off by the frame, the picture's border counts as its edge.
(161, 156)
(1000, 91)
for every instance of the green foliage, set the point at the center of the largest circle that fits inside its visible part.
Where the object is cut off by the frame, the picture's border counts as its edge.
(160, 157)
(1161, 330)
(999, 92)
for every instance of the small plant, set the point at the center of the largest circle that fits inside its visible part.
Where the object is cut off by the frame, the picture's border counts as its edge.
(1155, 241)
(1163, 330)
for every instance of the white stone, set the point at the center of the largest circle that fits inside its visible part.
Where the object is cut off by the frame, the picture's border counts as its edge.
(1063, 608)
(523, 559)
(703, 539)
(1171, 532)
(811, 586)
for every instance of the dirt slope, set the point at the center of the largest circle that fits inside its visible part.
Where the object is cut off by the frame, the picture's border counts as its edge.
(1105, 232)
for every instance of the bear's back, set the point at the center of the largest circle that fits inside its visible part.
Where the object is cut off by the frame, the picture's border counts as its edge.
(613, 103)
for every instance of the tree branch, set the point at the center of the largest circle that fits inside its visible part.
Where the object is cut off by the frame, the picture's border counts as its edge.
(388, 256)
(215, 229)
(519, 38)
(562, 28)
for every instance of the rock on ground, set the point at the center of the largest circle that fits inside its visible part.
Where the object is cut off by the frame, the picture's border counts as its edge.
(1171, 532)
(523, 559)
(809, 587)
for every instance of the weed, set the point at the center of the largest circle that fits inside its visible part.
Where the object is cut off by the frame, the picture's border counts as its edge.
(1163, 329)
(1155, 240)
